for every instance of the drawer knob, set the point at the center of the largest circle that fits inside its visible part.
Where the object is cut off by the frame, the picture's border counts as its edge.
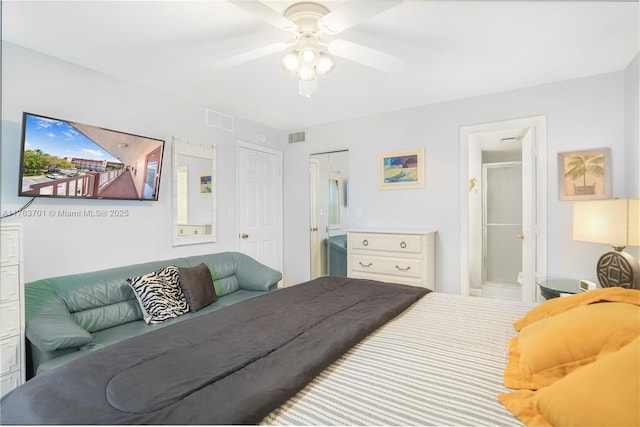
(403, 269)
(403, 244)
(365, 265)
(365, 242)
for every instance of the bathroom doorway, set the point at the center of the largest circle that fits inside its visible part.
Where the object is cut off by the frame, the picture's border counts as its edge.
(503, 208)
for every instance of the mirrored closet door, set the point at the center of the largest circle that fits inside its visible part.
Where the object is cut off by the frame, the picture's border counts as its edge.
(329, 215)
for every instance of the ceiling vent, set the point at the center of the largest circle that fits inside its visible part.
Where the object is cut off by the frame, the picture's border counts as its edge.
(510, 139)
(219, 120)
(297, 137)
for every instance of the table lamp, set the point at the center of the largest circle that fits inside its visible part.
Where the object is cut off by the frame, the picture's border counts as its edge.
(616, 222)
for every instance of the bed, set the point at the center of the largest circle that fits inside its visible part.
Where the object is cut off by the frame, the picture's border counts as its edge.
(438, 363)
(344, 352)
(454, 360)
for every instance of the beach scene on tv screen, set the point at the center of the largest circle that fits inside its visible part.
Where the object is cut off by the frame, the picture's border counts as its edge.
(69, 159)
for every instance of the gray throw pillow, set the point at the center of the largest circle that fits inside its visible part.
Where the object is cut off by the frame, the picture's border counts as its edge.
(197, 285)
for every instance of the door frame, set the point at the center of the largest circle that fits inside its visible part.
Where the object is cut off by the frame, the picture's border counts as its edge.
(314, 217)
(252, 147)
(538, 158)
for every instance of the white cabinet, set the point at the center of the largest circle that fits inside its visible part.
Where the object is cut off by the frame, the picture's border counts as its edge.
(395, 256)
(12, 357)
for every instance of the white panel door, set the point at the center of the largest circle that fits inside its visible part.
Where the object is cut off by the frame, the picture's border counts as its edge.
(259, 204)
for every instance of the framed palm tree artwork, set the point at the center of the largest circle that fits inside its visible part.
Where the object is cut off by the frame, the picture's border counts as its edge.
(585, 175)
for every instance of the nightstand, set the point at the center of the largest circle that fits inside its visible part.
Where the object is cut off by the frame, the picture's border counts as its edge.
(553, 287)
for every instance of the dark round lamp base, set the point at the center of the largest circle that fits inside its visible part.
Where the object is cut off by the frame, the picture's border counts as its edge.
(618, 269)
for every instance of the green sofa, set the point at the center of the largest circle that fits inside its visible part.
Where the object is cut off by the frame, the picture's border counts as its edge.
(70, 316)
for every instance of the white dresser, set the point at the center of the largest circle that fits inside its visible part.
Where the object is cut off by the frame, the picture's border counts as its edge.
(12, 357)
(398, 256)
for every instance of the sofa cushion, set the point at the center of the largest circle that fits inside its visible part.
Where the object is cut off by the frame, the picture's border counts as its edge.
(108, 316)
(159, 294)
(53, 332)
(197, 286)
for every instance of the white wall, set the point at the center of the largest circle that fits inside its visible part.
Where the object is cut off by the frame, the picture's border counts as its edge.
(582, 114)
(632, 135)
(57, 245)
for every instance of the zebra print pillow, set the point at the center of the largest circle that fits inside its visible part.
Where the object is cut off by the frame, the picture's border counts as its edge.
(159, 294)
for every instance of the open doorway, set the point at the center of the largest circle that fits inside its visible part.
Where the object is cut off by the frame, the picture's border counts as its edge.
(329, 216)
(503, 208)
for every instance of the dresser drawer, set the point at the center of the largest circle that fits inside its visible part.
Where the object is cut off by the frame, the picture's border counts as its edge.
(9, 283)
(194, 230)
(10, 249)
(10, 355)
(9, 319)
(9, 382)
(403, 256)
(387, 242)
(402, 267)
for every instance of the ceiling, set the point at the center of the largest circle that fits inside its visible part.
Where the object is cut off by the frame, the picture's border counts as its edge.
(451, 50)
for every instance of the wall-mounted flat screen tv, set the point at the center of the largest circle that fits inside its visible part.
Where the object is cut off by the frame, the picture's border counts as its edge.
(61, 158)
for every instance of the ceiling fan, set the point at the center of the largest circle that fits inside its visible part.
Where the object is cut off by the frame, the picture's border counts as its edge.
(312, 26)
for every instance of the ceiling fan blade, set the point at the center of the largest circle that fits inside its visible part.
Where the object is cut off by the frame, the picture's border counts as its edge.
(352, 13)
(250, 55)
(366, 56)
(263, 11)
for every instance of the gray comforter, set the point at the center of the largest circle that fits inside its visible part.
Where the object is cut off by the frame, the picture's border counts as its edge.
(233, 366)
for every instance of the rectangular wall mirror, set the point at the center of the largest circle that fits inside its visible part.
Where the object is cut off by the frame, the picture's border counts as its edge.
(194, 193)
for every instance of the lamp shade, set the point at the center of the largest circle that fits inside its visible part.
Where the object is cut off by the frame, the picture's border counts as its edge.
(615, 222)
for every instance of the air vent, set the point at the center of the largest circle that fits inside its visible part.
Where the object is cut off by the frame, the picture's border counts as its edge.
(297, 137)
(219, 120)
(510, 139)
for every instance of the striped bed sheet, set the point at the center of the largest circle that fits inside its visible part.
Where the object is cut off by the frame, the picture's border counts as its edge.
(438, 363)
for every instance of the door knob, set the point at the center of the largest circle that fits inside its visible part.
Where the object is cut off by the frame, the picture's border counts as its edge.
(520, 236)
(244, 235)
(314, 228)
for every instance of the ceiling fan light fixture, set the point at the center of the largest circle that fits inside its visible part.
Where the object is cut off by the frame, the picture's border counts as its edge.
(310, 22)
(307, 73)
(308, 55)
(326, 64)
(290, 63)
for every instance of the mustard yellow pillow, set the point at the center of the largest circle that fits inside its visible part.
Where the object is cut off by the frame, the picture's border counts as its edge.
(550, 348)
(604, 393)
(556, 306)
